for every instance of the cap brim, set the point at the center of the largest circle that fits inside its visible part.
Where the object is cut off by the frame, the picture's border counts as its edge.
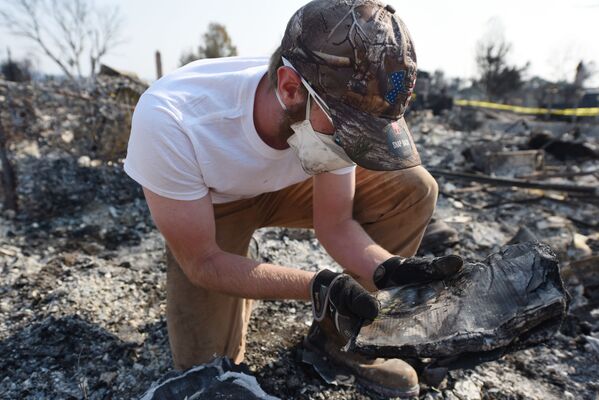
(374, 143)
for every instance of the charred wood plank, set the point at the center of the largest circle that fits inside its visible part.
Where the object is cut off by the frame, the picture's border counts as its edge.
(580, 189)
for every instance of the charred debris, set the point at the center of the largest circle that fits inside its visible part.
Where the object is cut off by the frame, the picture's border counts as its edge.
(82, 298)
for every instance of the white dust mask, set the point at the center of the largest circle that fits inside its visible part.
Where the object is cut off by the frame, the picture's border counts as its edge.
(317, 151)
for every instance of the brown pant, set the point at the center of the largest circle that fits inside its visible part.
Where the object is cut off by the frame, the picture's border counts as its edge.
(394, 208)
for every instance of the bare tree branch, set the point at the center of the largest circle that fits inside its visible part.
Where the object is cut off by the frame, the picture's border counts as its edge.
(72, 20)
(105, 35)
(65, 30)
(497, 77)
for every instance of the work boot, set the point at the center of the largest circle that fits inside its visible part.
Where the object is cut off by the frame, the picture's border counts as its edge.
(438, 236)
(386, 377)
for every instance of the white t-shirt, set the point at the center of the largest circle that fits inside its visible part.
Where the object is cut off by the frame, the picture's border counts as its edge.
(193, 133)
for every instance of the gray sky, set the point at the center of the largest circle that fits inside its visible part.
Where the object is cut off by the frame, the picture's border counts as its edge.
(553, 35)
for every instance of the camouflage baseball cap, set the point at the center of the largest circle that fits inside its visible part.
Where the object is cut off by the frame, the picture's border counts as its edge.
(359, 57)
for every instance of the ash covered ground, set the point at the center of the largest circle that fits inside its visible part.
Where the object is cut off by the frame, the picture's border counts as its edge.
(82, 298)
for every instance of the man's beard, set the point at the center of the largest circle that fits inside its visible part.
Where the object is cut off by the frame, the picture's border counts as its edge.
(290, 117)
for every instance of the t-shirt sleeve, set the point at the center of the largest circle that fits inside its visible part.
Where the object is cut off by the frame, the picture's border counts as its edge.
(160, 155)
(343, 171)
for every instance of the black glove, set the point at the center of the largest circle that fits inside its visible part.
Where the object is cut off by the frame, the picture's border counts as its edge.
(398, 271)
(342, 298)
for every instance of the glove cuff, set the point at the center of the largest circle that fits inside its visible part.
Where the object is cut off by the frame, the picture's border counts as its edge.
(319, 291)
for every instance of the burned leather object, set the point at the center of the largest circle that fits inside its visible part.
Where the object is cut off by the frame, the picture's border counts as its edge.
(220, 379)
(512, 300)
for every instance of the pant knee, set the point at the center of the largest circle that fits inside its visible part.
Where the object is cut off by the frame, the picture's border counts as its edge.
(422, 189)
(429, 191)
(396, 206)
(382, 195)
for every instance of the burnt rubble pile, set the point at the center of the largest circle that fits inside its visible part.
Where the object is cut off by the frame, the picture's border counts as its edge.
(492, 184)
(89, 118)
(64, 141)
(82, 298)
(72, 184)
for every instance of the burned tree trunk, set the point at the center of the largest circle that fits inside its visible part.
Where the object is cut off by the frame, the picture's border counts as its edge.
(9, 180)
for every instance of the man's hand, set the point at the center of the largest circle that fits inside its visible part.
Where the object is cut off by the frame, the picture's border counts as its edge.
(342, 298)
(398, 271)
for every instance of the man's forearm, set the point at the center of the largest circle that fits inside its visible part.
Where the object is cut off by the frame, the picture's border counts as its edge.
(354, 250)
(242, 277)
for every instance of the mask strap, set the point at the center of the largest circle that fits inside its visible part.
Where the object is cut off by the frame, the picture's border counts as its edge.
(321, 103)
(279, 98)
(285, 107)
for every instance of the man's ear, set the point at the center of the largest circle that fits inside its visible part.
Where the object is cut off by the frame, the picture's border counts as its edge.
(290, 87)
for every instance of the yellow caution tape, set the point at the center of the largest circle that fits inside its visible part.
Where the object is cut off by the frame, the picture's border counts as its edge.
(579, 112)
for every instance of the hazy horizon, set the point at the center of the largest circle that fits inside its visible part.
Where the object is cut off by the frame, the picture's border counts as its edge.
(553, 36)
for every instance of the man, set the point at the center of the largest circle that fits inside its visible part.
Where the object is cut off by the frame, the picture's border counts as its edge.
(222, 147)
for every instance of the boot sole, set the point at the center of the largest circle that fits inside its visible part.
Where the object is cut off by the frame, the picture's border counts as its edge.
(386, 392)
(376, 388)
